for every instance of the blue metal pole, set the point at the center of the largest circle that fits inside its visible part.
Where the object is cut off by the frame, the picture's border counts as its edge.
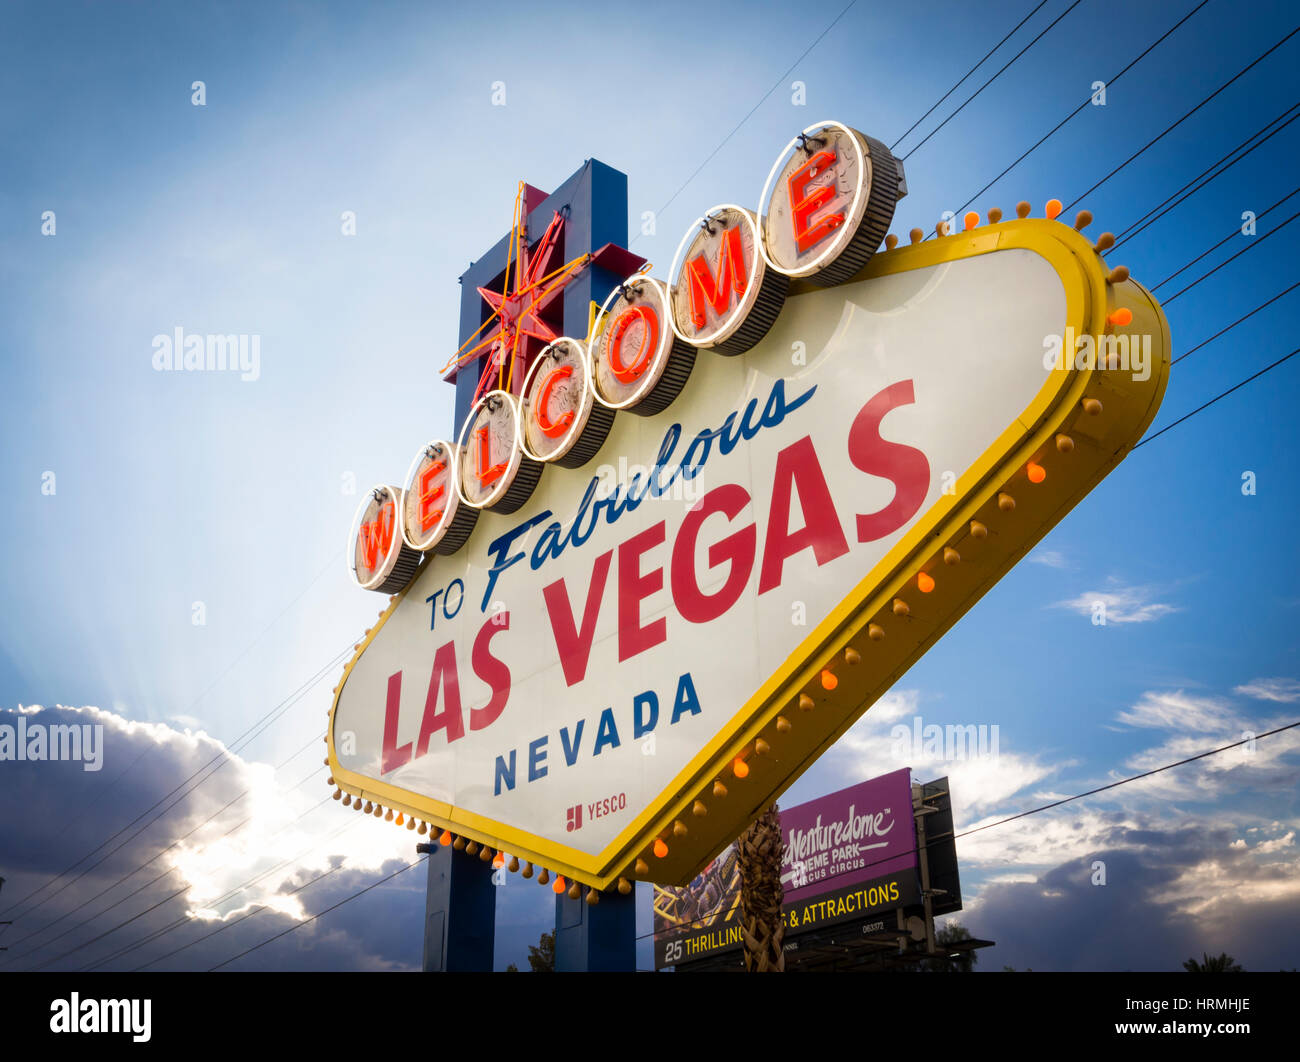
(595, 939)
(459, 913)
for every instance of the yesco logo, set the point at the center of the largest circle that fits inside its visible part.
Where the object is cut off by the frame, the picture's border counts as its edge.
(77, 1015)
(595, 810)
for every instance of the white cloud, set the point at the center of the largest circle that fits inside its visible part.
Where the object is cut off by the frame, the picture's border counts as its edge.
(1278, 843)
(1181, 711)
(1283, 690)
(869, 748)
(1049, 558)
(1123, 604)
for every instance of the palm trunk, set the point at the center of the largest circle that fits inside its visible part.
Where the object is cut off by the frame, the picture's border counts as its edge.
(762, 927)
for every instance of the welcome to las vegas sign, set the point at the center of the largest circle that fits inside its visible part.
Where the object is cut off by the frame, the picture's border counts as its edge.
(827, 456)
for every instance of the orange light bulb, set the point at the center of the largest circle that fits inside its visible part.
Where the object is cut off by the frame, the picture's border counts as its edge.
(924, 582)
(1036, 472)
(661, 849)
(558, 887)
(829, 681)
(739, 768)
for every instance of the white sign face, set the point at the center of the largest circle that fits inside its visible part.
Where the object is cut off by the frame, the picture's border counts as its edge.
(579, 653)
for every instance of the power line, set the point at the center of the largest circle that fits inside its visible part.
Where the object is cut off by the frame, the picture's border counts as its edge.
(222, 756)
(1126, 781)
(150, 748)
(226, 925)
(1042, 140)
(1182, 194)
(243, 886)
(1231, 236)
(334, 907)
(990, 81)
(140, 888)
(1231, 258)
(1216, 398)
(73, 910)
(968, 74)
(1170, 128)
(1213, 337)
(933, 842)
(128, 921)
(709, 158)
(1234, 324)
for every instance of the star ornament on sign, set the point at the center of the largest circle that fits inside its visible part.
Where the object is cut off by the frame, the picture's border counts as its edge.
(515, 330)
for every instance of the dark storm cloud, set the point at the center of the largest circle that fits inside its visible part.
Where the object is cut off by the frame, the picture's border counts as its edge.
(1169, 895)
(55, 812)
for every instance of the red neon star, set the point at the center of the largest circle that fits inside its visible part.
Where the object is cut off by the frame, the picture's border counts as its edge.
(515, 331)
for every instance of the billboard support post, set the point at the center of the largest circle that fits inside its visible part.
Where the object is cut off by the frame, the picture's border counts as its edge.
(920, 810)
(459, 913)
(595, 938)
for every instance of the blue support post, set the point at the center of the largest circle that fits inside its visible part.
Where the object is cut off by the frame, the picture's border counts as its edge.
(595, 198)
(459, 913)
(599, 939)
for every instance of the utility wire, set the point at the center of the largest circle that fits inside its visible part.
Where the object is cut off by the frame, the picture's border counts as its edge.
(990, 81)
(1042, 140)
(222, 756)
(1231, 236)
(322, 914)
(150, 748)
(180, 922)
(1231, 258)
(226, 925)
(1170, 128)
(968, 74)
(1207, 175)
(779, 81)
(1234, 324)
(933, 842)
(140, 888)
(1216, 398)
(243, 886)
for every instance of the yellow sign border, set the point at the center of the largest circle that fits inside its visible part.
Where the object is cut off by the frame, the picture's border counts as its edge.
(1090, 299)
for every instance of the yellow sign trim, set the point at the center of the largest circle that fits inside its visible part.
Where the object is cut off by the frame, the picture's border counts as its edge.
(1100, 442)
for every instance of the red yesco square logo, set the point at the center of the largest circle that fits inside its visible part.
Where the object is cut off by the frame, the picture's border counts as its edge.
(573, 818)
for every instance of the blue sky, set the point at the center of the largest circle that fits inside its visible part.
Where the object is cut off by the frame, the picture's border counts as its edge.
(173, 489)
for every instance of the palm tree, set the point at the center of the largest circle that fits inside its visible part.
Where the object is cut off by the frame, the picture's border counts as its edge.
(1221, 963)
(762, 927)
